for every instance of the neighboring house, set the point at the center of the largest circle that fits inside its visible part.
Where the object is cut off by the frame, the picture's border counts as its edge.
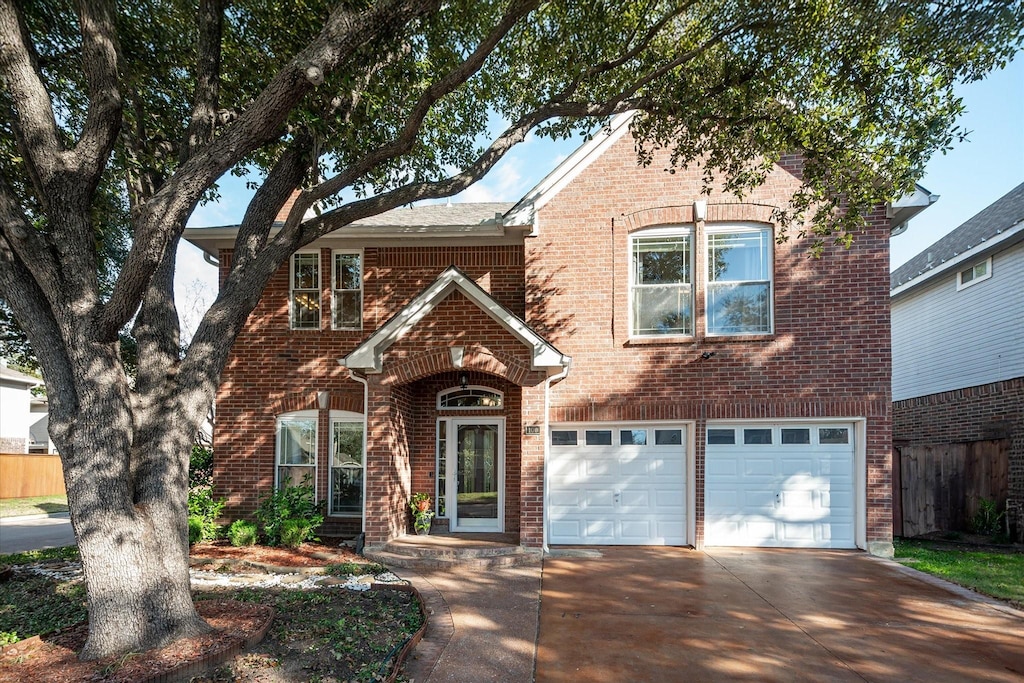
(17, 416)
(958, 339)
(614, 359)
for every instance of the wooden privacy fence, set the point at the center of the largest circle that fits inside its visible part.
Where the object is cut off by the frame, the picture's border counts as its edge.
(939, 487)
(25, 476)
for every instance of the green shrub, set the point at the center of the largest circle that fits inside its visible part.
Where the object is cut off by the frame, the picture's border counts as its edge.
(200, 467)
(195, 529)
(242, 533)
(294, 532)
(988, 520)
(289, 503)
(205, 508)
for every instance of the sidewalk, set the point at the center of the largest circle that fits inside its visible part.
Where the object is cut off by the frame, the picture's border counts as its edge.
(482, 625)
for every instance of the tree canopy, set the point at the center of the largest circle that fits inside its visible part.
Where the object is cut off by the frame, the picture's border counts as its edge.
(118, 119)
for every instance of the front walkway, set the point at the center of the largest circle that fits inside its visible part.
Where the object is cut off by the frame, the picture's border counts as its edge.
(673, 614)
(482, 625)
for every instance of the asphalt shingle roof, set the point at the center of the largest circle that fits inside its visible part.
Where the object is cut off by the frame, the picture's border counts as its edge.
(479, 213)
(14, 375)
(994, 219)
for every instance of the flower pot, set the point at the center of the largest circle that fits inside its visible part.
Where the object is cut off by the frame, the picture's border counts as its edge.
(423, 531)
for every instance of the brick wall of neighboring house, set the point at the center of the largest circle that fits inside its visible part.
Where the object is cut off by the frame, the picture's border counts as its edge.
(829, 354)
(989, 411)
(272, 370)
(10, 444)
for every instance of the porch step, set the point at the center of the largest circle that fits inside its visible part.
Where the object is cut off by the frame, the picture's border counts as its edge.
(450, 551)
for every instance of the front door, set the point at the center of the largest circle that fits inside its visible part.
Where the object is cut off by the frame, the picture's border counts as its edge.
(479, 475)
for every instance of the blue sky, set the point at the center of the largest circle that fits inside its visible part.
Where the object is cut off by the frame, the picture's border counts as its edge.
(974, 174)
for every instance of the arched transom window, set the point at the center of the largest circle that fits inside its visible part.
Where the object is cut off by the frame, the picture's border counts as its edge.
(470, 398)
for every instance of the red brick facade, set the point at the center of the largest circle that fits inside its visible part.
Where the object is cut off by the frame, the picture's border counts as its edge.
(827, 357)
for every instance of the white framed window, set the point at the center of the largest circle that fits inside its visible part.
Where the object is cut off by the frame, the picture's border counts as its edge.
(739, 286)
(347, 290)
(296, 449)
(979, 272)
(347, 448)
(304, 298)
(470, 398)
(661, 282)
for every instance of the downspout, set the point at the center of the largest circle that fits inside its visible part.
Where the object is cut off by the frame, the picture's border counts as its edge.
(547, 447)
(366, 436)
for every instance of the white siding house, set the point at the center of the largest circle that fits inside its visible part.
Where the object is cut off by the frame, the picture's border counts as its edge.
(16, 415)
(958, 307)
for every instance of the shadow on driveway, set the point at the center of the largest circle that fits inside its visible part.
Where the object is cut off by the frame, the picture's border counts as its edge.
(739, 614)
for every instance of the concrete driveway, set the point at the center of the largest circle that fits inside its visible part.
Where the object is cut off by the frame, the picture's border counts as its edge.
(673, 614)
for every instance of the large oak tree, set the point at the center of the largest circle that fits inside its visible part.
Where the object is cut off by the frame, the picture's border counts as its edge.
(117, 119)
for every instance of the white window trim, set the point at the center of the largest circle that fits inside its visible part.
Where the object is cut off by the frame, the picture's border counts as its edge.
(334, 287)
(681, 230)
(960, 284)
(292, 290)
(727, 228)
(344, 416)
(297, 415)
(492, 390)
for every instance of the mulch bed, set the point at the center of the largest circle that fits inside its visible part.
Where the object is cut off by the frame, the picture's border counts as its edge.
(52, 658)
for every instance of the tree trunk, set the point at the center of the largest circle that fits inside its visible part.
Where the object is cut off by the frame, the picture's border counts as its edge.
(126, 472)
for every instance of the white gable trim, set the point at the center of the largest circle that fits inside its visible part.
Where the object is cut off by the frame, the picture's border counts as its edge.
(368, 356)
(908, 206)
(525, 210)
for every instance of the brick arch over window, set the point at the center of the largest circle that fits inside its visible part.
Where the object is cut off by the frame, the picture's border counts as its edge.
(732, 212)
(307, 400)
(476, 358)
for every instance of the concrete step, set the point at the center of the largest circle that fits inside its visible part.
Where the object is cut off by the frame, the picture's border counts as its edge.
(454, 553)
(445, 559)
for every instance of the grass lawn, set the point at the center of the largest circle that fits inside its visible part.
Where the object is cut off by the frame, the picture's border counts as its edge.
(998, 574)
(41, 505)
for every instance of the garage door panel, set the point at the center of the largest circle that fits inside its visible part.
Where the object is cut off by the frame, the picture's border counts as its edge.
(780, 495)
(624, 495)
(639, 500)
(758, 467)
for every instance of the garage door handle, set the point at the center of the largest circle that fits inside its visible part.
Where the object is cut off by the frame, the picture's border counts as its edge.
(616, 497)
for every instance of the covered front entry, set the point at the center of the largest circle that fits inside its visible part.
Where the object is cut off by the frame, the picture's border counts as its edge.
(475, 484)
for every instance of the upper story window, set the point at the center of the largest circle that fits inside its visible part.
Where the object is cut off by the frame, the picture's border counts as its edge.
(347, 290)
(975, 274)
(470, 398)
(304, 298)
(661, 283)
(739, 287)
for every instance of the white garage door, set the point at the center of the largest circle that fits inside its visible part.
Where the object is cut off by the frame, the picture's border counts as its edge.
(785, 485)
(621, 484)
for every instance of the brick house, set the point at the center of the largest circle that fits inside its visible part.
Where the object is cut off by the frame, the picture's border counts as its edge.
(958, 365)
(614, 359)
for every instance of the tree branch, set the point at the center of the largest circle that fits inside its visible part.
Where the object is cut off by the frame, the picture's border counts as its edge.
(407, 137)
(207, 94)
(163, 218)
(99, 61)
(31, 247)
(34, 123)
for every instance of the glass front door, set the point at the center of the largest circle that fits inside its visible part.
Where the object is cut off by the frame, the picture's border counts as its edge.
(479, 476)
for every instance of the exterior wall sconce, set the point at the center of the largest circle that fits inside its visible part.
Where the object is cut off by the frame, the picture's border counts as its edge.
(464, 380)
(323, 399)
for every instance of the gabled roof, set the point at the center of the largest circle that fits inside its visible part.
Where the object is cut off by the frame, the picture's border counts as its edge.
(524, 211)
(368, 356)
(1000, 223)
(10, 375)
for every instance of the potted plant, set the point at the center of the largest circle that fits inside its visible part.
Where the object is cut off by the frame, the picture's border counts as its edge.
(419, 503)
